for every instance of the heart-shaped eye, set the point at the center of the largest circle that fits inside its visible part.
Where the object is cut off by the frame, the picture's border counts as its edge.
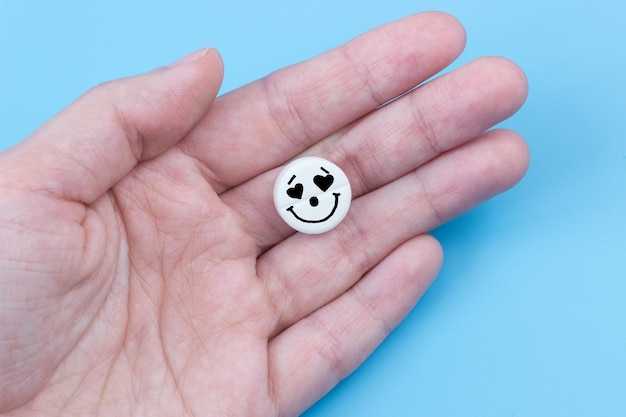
(323, 181)
(296, 191)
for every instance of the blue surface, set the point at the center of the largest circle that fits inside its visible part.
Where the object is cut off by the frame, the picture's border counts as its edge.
(528, 316)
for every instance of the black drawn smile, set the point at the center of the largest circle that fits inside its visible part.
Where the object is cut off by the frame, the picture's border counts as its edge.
(317, 221)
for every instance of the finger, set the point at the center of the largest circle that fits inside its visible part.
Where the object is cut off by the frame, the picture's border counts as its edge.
(262, 125)
(98, 139)
(399, 137)
(313, 355)
(305, 272)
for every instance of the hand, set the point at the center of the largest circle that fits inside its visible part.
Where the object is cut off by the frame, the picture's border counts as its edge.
(144, 270)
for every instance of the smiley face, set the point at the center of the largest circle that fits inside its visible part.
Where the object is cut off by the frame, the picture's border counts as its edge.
(312, 195)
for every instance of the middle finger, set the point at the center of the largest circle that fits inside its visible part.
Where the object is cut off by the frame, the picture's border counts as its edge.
(440, 115)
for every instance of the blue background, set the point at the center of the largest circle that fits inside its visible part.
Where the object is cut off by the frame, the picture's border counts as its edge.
(528, 316)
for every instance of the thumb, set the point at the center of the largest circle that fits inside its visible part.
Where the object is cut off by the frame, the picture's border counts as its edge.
(98, 139)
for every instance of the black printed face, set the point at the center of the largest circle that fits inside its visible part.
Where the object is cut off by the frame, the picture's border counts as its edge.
(310, 192)
(322, 183)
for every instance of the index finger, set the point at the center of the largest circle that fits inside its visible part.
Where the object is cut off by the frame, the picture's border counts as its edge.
(264, 124)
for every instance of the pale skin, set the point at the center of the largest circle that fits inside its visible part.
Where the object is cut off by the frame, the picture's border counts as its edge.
(144, 270)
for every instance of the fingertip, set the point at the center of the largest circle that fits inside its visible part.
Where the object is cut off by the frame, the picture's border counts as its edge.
(193, 56)
(406, 273)
(508, 159)
(511, 79)
(208, 60)
(435, 252)
(517, 77)
(438, 28)
(212, 59)
(517, 153)
(424, 258)
(450, 26)
(184, 94)
(209, 68)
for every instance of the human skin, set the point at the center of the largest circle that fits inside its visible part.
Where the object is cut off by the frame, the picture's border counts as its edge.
(144, 270)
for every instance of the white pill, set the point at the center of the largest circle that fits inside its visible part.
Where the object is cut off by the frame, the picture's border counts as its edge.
(312, 195)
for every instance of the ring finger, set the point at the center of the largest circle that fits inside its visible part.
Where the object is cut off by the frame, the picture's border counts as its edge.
(305, 272)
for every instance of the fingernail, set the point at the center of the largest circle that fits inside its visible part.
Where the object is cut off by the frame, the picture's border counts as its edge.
(194, 56)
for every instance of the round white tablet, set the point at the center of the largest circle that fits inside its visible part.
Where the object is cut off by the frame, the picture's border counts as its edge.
(312, 195)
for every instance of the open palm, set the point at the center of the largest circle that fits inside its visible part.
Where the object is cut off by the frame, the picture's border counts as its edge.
(144, 270)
